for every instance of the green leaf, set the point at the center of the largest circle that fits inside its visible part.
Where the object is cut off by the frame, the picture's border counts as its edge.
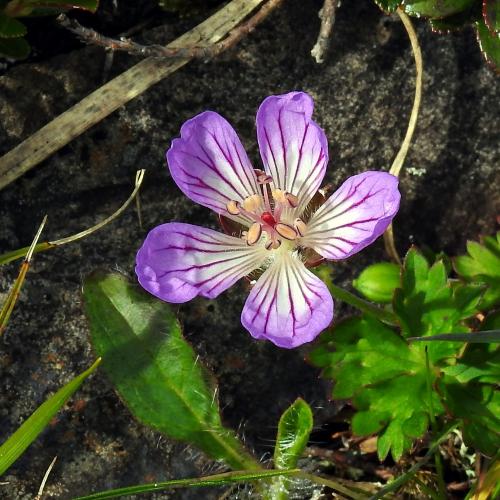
(294, 428)
(482, 264)
(61, 5)
(429, 304)
(214, 480)
(14, 447)
(384, 376)
(378, 281)
(436, 8)
(491, 15)
(477, 406)
(14, 48)
(388, 5)
(485, 337)
(11, 28)
(457, 21)
(153, 368)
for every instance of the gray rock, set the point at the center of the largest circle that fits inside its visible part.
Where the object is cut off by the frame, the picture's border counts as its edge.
(363, 93)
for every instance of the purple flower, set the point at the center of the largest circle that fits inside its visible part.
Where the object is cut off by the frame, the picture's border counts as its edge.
(280, 224)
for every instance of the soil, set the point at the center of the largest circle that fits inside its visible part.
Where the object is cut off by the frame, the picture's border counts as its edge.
(363, 93)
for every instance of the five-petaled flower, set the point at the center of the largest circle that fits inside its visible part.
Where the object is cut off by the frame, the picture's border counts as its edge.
(280, 224)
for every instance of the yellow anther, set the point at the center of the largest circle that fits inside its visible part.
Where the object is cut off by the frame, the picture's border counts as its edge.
(273, 244)
(254, 233)
(252, 203)
(300, 226)
(286, 231)
(293, 201)
(233, 207)
(279, 196)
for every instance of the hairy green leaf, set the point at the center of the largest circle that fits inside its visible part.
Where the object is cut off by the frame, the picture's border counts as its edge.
(15, 446)
(378, 281)
(153, 368)
(388, 5)
(491, 15)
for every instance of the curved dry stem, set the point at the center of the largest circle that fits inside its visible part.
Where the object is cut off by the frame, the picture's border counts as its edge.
(41, 247)
(397, 164)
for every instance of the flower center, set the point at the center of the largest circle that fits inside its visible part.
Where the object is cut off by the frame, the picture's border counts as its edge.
(267, 210)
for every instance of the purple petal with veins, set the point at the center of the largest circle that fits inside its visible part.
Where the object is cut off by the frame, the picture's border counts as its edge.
(293, 147)
(354, 216)
(209, 164)
(288, 305)
(180, 261)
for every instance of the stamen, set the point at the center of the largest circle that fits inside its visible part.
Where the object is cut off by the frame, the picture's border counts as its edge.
(273, 244)
(293, 200)
(252, 203)
(300, 227)
(286, 231)
(254, 233)
(264, 179)
(279, 196)
(233, 207)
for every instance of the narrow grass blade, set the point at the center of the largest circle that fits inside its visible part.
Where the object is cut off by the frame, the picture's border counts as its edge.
(9, 304)
(14, 447)
(47, 245)
(488, 336)
(214, 480)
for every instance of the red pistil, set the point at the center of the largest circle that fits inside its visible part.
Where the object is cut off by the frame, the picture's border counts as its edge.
(268, 218)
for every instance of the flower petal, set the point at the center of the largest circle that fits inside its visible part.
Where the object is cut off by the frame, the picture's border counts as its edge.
(180, 261)
(293, 147)
(354, 216)
(209, 164)
(288, 305)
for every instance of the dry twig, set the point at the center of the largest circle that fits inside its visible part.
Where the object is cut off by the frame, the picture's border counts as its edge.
(327, 16)
(92, 37)
(114, 94)
(44, 480)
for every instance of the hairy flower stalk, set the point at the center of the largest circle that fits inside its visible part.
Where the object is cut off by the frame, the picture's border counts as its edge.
(278, 223)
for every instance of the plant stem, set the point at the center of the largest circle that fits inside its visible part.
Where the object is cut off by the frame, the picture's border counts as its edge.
(363, 305)
(397, 164)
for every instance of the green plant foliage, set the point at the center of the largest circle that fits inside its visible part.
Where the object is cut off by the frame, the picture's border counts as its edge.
(15, 446)
(12, 31)
(482, 265)
(384, 376)
(388, 5)
(491, 15)
(436, 8)
(294, 428)
(378, 282)
(387, 378)
(154, 369)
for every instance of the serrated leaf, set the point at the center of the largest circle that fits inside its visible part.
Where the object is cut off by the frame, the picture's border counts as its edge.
(15, 446)
(478, 407)
(429, 304)
(14, 48)
(491, 15)
(384, 376)
(11, 28)
(154, 369)
(377, 282)
(436, 8)
(482, 265)
(388, 5)
(456, 21)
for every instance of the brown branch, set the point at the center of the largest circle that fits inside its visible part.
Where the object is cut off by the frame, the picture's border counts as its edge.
(92, 37)
(327, 16)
